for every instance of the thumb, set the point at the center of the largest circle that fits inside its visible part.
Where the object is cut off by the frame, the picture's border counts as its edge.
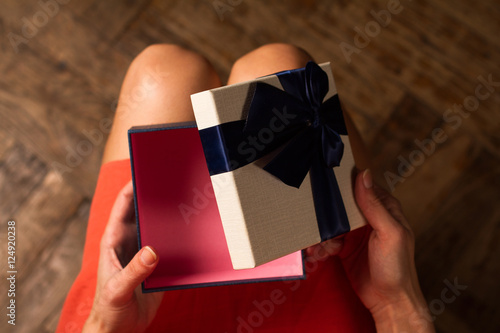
(371, 204)
(123, 284)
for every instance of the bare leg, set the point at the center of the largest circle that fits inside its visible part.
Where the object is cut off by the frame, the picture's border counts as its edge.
(268, 59)
(272, 58)
(156, 90)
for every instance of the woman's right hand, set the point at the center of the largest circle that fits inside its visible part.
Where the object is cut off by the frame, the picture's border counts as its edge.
(383, 272)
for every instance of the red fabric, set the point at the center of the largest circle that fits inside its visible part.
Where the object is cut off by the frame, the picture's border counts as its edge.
(324, 301)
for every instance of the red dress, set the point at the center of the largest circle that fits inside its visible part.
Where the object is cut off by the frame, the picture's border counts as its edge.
(324, 302)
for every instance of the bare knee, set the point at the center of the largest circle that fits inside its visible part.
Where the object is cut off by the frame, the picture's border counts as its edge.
(161, 75)
(268, 59)
(280, 51)
(157, 90)
(170, 57)
(163, 64)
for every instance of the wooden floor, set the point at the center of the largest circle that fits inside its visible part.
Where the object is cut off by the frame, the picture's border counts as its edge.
(60, 75)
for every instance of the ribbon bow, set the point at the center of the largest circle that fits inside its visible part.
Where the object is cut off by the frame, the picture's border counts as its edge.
(307, 128)
(314, 125)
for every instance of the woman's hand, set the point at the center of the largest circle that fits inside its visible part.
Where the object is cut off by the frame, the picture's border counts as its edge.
(383, 272)
(119, 305)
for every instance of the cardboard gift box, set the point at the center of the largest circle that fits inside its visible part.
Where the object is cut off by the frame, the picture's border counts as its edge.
(280, 163)
(177, 214)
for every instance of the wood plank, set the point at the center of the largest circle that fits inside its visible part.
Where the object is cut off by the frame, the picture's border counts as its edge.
(58, 141)
(165, 23)
(410, 120)
(7, 141)
(463, 242)
(87, 91)
(411, 54)
(20, 172)
(447, 320)
(78, 51)
(464, 47)
(407, 155)
(40, 219)
(53, 274)
(481, 18)
(111, 18)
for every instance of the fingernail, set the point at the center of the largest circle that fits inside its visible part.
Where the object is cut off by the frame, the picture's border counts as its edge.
(148, 256)
(367, 179)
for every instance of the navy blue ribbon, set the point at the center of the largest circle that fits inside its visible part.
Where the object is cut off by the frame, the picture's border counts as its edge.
(306, 129)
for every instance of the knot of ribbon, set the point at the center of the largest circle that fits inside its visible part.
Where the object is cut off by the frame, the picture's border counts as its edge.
(306, 128)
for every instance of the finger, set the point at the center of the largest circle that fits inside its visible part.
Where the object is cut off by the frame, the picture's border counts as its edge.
(391, 204)
(371, 203)
(122, 285)
(123, 208)
(122, 211)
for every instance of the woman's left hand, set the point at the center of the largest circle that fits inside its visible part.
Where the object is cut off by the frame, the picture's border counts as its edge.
(119, 305)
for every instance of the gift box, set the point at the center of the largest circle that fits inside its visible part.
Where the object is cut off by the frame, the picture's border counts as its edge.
(280, 163)
(177, 214)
